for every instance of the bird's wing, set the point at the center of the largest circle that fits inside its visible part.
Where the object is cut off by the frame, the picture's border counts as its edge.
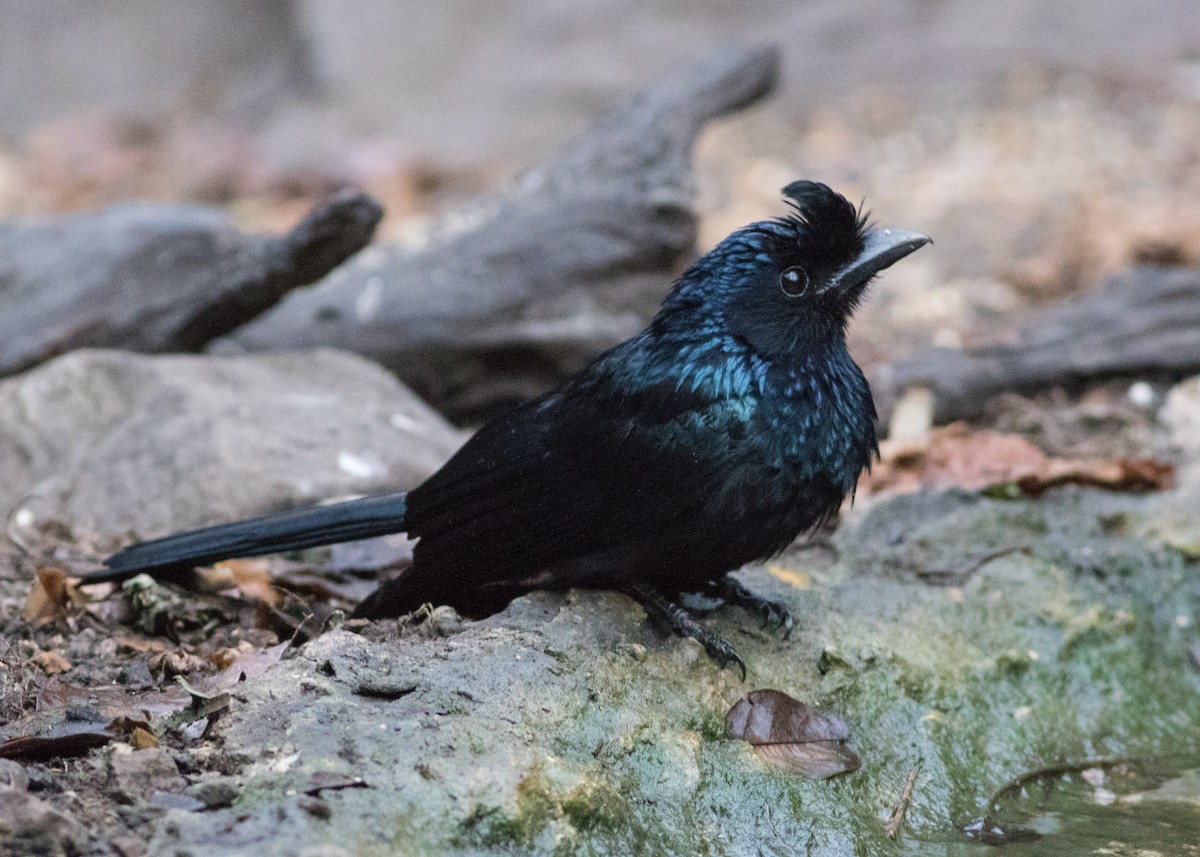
(572, 474)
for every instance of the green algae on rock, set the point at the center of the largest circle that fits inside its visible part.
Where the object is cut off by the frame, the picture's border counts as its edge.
(540, 731)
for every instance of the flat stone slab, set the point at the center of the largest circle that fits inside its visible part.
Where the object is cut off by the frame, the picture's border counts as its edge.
(109, 442)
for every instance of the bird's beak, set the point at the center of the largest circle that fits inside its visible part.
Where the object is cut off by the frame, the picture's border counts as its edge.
(882, 248)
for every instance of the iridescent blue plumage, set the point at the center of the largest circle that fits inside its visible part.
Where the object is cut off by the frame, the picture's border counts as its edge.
(736, 421)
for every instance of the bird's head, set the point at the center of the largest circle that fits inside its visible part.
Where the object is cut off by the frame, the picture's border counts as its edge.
(788, 283)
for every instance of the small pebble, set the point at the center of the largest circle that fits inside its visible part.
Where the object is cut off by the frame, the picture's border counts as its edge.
(13, 776)
(1142, 394)
(214, 794)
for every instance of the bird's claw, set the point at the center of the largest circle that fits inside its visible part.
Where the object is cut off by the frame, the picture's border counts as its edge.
(724, 653)
(682, 623)
(776, 615)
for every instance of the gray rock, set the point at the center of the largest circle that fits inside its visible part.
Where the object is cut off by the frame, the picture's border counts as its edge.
(29, 825)
(568, 724)
(215, 793)
(13, 776)
(139, 774)
(157, 278)
(109, 442)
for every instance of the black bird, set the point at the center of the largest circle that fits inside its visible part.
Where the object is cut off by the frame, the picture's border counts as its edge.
(735, 422)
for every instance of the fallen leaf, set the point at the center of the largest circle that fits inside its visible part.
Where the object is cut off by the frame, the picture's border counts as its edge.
(71, 720)
(324, 586)
(51, 663)
(175, 662)
(49, 598)
(1001, 465)
(140, 645)
(250, 577)
(37, 748)
(129, 727)
(142, 739)
(137, 732)
(68, 721)
(109, 701)
(792, 736)
(1124, 474)
(952, 455)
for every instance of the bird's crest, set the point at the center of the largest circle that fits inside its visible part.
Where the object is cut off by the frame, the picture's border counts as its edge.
(829, 227)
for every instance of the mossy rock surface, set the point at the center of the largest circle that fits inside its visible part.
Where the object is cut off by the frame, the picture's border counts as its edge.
(965, 638)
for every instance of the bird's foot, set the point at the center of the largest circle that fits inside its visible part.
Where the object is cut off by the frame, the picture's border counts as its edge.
(682, 622)
(774, 614)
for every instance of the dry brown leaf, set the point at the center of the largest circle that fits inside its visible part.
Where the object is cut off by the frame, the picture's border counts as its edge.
(140, 645)
(142, 739)
(51, 663)
(792, 736)
(49, 598)
(1123, 474)
(57, 728)
(68, 721)
(125, 725)
(225, 656)
(38, 748)
(952, 455)
(322, 586)
(136, 731)
(250, 577)
(176, 662)
(1002, 464)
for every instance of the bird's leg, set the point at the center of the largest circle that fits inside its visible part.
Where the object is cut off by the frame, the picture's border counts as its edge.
(683, 623)
(773, 613)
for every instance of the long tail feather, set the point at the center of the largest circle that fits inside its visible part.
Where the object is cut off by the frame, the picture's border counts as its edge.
(304, 528)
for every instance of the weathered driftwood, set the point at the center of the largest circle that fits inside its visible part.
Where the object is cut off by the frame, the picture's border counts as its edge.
(525, 283)
(157, 278)
(1142, 323)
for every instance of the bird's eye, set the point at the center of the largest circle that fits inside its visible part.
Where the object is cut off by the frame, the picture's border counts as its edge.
(794, 282)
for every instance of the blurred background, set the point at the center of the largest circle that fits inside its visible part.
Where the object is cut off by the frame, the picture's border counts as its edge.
(1043, 145)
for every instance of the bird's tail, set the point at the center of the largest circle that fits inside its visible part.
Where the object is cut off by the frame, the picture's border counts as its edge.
(304, 528)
